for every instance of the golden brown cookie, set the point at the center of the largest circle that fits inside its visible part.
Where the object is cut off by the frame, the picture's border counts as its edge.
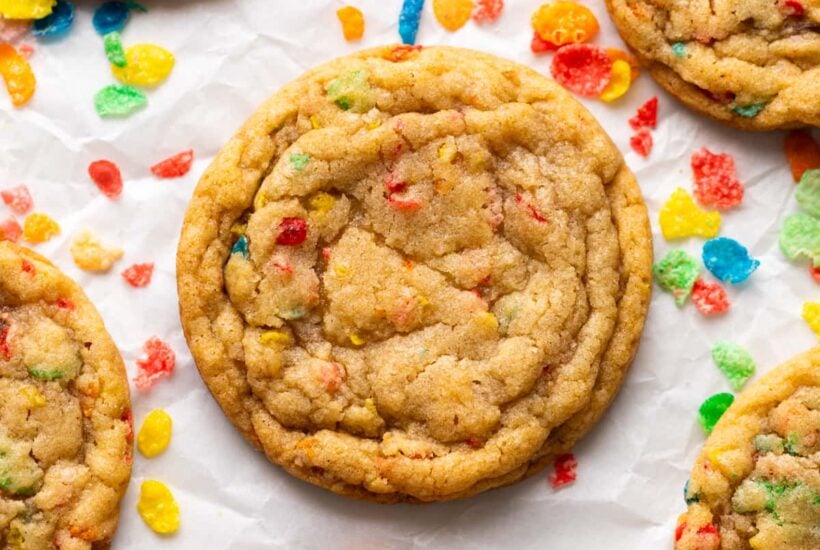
(752, 64)
(757, 482)
(415, 274)
(65, 417)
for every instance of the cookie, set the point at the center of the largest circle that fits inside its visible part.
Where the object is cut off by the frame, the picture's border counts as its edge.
(757, 482)
(751, 64)
(415, 274)
(65, 417)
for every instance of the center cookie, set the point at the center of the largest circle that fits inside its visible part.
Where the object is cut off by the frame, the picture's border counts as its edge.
(409, 268)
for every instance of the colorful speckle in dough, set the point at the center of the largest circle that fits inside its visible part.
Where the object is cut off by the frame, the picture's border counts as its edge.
(565, 471)
(157, 507)
(159, 361)
(680, 217)
(710, 297)
(677, 272)
(734, 361)
(351, 91)
(749, 111)
(298, 161)
(712, 409)
(728, 260)
(155, 434)
(118, 100)
(679, 49)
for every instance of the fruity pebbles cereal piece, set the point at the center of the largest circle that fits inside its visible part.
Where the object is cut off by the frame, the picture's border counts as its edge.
(564, 22)
(677, 272)
(487, 11)
(39, 228)
(57, 23)
(111, 16)
(811, 314)
(712, 409)
(114, 52)
(159, 362)
(802, 152)
(139, 275)
(582, 68)
(646, 116)
(155, 433)
(619, 82)
(117, 100)
(91, 254)
(808, 192)
(728, 260)
(452, 14)
(26, 9)
(18, 199)
(716, 182)
(616, 54)
(145, 65)
(709, 297)
(409, 19)
(734, 361)
(800, 236)
(641, 142)
(17, 73)
(538, 45)
(10, 230)
(680, 217)
(352, 21)
(106, 175)
(174, 166)
(157, 507)
(564, 473)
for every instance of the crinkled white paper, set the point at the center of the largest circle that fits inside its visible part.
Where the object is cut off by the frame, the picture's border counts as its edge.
(231, 55)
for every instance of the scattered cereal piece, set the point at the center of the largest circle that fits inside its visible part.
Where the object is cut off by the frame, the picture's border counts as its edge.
(158, 508)
(800, 236)
(716, 182)
(107, 176)
(811, 314)
(619, 82)
(808, 192)
(57, 23)
(565, 471)
(728, 260)
(111, 16)
(38, 228)
(292, 231)
(709, 297)
(452, 14)
(748, 111)
(139, 275)
(815, 273)
(582, 68)
(676, 273)
(680, 217)
(18, 199)
(10, 230)
(802, 152)
(733, 361)
(564, 22)
(298, 161)
(155, 434)
(118, 100)
(712, 409)
(487, 11)
(352, 22)
(114, 51)
(646, 116)
(641, 142)
(158, 363)
(539, 45)
(26, 9)
(679, 49)
(620, 55)
(175, 166)
(17, 73)
(145, 65)
(409, 20)
(90, 254)
(351, 91)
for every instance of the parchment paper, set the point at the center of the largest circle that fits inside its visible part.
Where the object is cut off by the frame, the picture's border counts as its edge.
(230, 56)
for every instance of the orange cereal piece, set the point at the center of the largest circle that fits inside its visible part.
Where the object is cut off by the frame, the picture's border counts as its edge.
(352, 21)
(564, 22)
(452, 14)
(620, 55)
(802, 152)
(17, 73)
(38, 228)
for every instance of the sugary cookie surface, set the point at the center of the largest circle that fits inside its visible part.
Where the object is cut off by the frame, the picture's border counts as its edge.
(65, 438)
(400, 277)
(754, 64)
(757, 483)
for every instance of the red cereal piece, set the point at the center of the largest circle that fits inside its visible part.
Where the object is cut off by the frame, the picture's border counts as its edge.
(403, 204)
(158, 363)
(716, 182)
(539, 45)
(175, 166)
(107, 176)
(139, 275)
(474, 442)
(582, 68)
(802, 152)
(646, 116)
(679, 531)
(65, 303)
(641, 142)
(28, 267)
(10, 230)
(292, 231)
(815, 273)
(564, 474)
(793, 8)
(5, 347)
(487, 11)
(709, 297)
(18, 199)
(402, 52)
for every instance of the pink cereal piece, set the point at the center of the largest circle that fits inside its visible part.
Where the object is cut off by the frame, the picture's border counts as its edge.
(139, 275)
(641, 142)
(10, 230)
(709, 297)
(564, 474)
(332, 375)
(18, 199)
(716, 182)
(646, 116)
(159, 362)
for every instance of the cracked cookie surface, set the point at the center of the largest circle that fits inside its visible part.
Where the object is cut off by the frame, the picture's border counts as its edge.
(757, 482)
(65, 425)
(752, 64)
(415, 274)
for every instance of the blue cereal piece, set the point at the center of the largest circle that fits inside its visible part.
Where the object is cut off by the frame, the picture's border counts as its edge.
(57, 23)
(240, 246)
(728, 260)
(113, 15)
(679, 49)
(409, 20)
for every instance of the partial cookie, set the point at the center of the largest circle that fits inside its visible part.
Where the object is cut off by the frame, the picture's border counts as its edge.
(65, 417)
(752, 64)
(757, 482)
(415, 274)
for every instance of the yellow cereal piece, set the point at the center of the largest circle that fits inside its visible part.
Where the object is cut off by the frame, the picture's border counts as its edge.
(26, 9)
(423, 301)
(90, 254)
(488, 320)
(620, 81)
(342, 271)
(321, 203)
(355, 339)
(452, 14)
(275, 337)
(352, 22)
(373, 124)
(38, 228)
(158, 508)
(35, 398)
(314, 122)
(145, 65)
(811, 314)
(447, 152)
(371, 406)
(239, 228)
(155, 434)
(680, 217)
(260, 201)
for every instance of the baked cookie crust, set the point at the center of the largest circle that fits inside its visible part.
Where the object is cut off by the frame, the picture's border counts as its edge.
(65, 416)
(415, 274)
(751, 64)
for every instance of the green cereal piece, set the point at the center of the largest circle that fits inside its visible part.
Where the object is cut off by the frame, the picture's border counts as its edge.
(712, 409)
(792, 444)
(351, 91)
(770, 443)
(298, 161)
(677, 273)
(800, 236)
(679, 49)
(749, 111)
(808, 192)
(733, 361)
(113, 49)
(45, 374)
(118, 100)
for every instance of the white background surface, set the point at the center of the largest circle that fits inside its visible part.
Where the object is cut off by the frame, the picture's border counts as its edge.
(230, 56)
